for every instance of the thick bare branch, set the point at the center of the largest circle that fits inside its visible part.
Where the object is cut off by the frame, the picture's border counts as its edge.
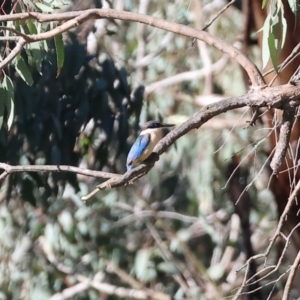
(275, 97)
(272, 242)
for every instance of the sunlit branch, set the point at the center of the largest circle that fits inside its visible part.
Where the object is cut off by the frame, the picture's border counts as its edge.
(265, 97)
(49, 168)
(74, 18)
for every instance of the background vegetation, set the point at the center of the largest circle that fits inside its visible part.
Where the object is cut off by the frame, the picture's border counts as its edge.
(174, 234)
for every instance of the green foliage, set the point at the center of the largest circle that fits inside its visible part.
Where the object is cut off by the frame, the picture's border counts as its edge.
(7, 97)
(274, 33)
(77, 108)
(25, 65)
(60, 52)
(294, 6)
(23, 70)
(264, 3)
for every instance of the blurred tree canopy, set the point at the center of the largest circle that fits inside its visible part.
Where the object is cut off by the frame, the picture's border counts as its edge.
(79, 100)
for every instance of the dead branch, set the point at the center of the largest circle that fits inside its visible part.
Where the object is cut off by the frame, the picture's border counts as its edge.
(288, 285)
(271, 97)
(258, 97)
(284, 138)
(272, 242)
(218, 14)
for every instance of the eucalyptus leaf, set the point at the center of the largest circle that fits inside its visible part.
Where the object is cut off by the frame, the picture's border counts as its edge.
(31, 26)
(264, 3)
(60, 53)
(141, 263)
(44, 8)
(167, 267)
(3, 97)
(216, 271)
(23, 70)
(66, 220)
(36, 52)
(27, 4)
(265, 45)
(9, 100)
(45, 45)
(272, 51)
(294, 6)
(283, 24)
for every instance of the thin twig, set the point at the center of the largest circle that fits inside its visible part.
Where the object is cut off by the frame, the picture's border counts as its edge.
(49, 168)
(273, 239)
(289, 59)
(150, 213)
(18, 48)
(288, 285)
(218, 14)
(13, 30)
(112, 268)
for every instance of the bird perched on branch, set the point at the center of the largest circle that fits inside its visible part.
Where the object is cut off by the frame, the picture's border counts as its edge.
(150, 134)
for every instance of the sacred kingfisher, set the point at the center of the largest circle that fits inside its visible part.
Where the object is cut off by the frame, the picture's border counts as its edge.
(150, 134)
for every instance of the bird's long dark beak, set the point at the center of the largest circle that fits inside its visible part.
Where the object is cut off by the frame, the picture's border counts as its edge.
(167, 125)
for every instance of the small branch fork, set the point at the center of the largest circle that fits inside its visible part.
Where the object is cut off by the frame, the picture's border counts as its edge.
(270, 97)
(277, 233)
(286, 97)
(74, 18)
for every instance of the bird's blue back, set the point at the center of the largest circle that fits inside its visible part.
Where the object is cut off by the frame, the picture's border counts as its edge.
(137, 149)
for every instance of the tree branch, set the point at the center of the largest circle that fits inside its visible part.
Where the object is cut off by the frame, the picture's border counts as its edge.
(185, 76)
(288, 285)
(218, 14)
(275, 97)
(75, 18)
(45, 168)
(109, 289)
(18, 48)
(70, 292)
(13, 30)
(284, 138)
